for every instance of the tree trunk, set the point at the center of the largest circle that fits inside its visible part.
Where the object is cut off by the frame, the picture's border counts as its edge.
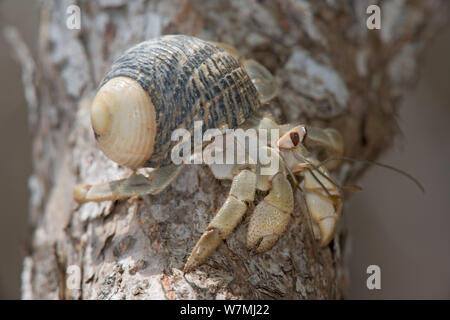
(332, 72)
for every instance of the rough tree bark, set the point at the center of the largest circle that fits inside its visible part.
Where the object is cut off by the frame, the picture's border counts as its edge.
(332, 71)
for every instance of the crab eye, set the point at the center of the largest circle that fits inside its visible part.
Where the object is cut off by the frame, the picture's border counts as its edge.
(292, 138)
(295, 138)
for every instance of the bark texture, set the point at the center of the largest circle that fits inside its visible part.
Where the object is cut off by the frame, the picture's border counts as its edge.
(332, 71)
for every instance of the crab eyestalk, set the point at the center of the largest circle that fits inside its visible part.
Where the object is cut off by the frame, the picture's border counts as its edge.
(124, 122)
(292, 138)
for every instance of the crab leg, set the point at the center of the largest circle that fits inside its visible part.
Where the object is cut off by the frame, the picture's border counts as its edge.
(321, 194)
(135, 185)
(324, 205)
(330, 140)
(227, 218)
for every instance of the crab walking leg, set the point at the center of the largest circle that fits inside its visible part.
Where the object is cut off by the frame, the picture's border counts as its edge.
(325, 210)
(330, 140)
(227, 218)
(135, 185)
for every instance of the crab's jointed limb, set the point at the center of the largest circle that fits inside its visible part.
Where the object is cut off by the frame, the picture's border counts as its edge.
(271, 216)
(269, 219)
(136, 185)
(227, 218)
(324, 203)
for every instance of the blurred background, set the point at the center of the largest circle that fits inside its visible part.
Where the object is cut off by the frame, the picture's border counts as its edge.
(391, 223)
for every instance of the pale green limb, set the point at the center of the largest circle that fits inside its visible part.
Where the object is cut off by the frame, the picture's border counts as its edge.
(262, 79)
(227, 218)
(135, 185)
(329, 139)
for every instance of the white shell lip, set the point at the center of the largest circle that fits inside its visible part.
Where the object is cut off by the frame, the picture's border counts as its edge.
(124, 121)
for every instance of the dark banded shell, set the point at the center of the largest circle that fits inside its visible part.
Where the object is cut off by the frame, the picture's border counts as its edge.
(187, 79)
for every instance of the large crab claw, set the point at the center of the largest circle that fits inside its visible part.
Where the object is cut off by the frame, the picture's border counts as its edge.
(271, 216)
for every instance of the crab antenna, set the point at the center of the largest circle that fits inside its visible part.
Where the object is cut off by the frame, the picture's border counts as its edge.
(288, 169)
(402, 172)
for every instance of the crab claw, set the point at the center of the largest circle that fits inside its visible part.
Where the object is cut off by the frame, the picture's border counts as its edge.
(266, 225)
(271, 216)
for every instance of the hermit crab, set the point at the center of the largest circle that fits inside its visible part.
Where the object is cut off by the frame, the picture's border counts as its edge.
(175, 81)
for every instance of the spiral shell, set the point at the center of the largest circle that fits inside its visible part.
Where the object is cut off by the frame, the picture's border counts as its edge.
(124, 121)
(164, 84)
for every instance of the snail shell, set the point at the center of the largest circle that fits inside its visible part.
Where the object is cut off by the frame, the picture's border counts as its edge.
(164, 84)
